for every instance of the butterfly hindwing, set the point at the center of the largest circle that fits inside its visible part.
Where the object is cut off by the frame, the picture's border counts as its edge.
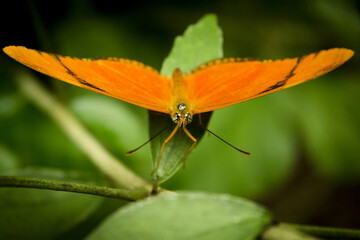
(124, 79)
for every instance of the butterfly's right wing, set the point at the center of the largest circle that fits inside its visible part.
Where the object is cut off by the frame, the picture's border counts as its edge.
(225, 82)
(124, 79)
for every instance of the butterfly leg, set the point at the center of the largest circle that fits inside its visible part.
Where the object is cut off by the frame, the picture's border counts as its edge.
(192, 146)
(163, 146)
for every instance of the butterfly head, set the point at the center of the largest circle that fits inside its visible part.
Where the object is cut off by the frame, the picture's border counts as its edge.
(181, 116)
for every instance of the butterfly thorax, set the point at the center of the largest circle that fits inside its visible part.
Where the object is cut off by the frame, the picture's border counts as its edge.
(180, 112)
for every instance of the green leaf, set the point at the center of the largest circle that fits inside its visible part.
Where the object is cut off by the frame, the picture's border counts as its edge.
(42, 214)
(186, 216)
(175, 150)
(200, 43)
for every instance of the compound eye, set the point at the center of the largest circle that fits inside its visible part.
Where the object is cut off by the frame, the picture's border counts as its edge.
(176, 117)
(188, 118)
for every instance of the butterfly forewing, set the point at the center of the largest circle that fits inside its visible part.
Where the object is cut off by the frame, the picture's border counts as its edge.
(229, 81)
(124, 79)
(317, 64)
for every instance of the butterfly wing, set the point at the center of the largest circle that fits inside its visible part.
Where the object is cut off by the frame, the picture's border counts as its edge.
(124, 79)
(225, 82)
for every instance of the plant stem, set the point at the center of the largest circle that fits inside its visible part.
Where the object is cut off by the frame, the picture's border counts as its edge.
(106, 162)
(327, 232)
(124, 194)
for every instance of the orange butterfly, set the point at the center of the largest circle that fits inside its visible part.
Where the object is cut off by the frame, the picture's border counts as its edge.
(211, 86)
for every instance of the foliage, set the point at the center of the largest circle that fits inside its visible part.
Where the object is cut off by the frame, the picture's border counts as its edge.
(303, 141)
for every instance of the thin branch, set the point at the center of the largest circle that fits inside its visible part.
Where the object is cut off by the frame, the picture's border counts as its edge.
(327, 232)
(22, 182)
(106, 162)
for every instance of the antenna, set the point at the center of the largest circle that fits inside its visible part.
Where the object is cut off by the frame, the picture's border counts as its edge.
(237, 149)
(133, 151)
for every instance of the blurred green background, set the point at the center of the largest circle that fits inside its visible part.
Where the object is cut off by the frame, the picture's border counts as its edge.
(305, 141)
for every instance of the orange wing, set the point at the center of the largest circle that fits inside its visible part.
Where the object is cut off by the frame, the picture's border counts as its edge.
(124, 79)
(225, 82)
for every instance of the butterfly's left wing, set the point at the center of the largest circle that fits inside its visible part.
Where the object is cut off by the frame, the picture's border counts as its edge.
(225, 82)
(128, 80)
